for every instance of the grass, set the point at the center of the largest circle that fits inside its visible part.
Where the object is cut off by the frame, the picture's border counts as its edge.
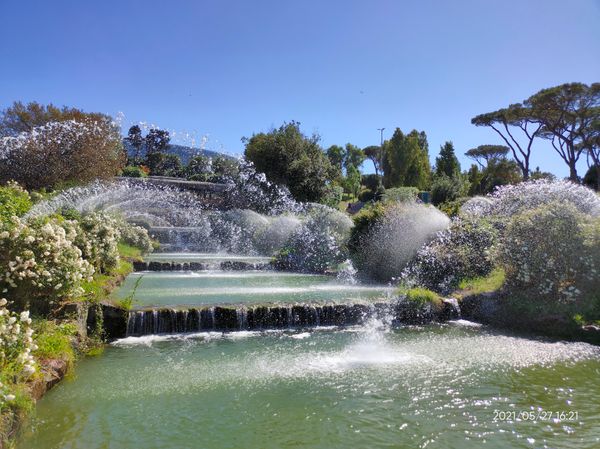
(129, 252)
(54, 340)
(421, 296)
(100, 287)
(485, 284)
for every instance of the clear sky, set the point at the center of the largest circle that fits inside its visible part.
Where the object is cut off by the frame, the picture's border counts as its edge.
(341, 68)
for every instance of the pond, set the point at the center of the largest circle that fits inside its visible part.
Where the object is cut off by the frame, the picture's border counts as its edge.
(436, 386)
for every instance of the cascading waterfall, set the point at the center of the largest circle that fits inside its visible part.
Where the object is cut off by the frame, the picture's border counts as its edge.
(165, 321)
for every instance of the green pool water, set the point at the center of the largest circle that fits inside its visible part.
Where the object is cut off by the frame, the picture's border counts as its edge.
(161, 289)
(438, 386)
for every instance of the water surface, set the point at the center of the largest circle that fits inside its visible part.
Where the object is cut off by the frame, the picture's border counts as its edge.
(180, 289)
(435, 387)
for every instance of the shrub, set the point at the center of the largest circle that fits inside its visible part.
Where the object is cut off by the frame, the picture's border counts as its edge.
(43, 264)
(16, 344)
(553, 252)
(319, 244)
(366, 195)
(136, 236)
(401, 194)
(463, 251)
(14, 201)
(386, 238)
(453, 208)
(60, 153)
(420, 296)
(99, 240)
(133, 171)
(444, 189)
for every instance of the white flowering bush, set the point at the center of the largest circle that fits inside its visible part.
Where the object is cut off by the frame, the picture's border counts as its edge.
(40, 263)
(512, 199)
(101, 240)
(136, 236)
(552, 251)
(16, 345)
(464, 250)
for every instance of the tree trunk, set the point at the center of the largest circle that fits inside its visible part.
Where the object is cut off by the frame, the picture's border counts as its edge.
(573, 171)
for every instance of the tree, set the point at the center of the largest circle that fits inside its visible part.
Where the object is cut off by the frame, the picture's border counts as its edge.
(407, 160)
(161, 164)
(354, 157)
(567, 115)
(157, 140)
(134, 136)
(290, 158)
(224, 168)
(337, 156)
(498, 173)
(352, 181)
(447, 162)
(45, 147)
(376, 154)
(487, 153)
(199, 168)
(516, 116)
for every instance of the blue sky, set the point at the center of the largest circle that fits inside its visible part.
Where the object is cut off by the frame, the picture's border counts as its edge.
(341, 68)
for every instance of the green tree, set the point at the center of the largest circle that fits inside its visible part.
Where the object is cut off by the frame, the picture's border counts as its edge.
(290, 158)
(354, 156)
(568, 116)
(486, 153)
(500, 172)
(134, 136)
(352, 181)
(157, 140)
(224, 168)
(337, 156)
(376, 154)
(504, 122)
(199, 168)
(407, 160)
(447, 163)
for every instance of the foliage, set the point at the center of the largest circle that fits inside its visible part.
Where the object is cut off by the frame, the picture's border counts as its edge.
(407, 160)
(16, 344)
(66, 152)
(99, 240)
(44, 265)
(568, 116)
(54, 340)
(351, 182)
(464, 250)
(376, 154)
(446, 164)
(132, 171)
(333, 195)
(288, 157)
(366, 195)
(134, 136)
(552, 250)
(592, 178)
(224, 168)
(400, 194)
(452, 208)
(162, 164)
(319, 244)
(516, 116)
(14, 201)
(157, 140)
(420, 296)
(135, 237)
(444, 189)
(354, 157)
(199, 168)
(487, 153)
(370, 181)
(483, 284)
(510, 200)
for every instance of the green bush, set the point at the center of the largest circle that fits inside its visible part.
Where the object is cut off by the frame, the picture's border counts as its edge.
(366, 195)
(463, 251)
(552, 251)
(421, 296)
(401, 194)
(133, 171)
(452, 208)
(444, 189)
(14, 201)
